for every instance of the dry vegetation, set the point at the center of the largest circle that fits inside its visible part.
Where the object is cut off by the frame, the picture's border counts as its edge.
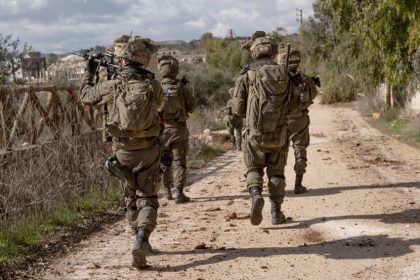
(61, 181)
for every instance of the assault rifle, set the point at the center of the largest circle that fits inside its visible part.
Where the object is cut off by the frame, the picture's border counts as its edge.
(105, 59)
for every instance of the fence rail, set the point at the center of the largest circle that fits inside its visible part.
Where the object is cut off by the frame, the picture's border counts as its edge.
(25, 112)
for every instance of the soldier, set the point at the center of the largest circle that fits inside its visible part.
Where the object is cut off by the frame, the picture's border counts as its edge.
(262, 94)
(234, 124)
(132, 100)
(178, 103)
(298, 119)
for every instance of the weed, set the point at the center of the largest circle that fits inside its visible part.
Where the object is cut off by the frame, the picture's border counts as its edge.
(17, 239)
(391, 115)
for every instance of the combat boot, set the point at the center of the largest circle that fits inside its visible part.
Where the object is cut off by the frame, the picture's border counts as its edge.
(141, 248)
(257, 205)
(299, 189)
(181, 197)
(169, 193)
(277, 217)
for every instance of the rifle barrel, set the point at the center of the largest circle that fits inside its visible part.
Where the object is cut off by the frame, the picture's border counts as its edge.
(287, 56)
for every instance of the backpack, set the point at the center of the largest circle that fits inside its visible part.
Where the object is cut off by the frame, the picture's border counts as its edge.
(134, 110)
(172, 106)
(267, 104)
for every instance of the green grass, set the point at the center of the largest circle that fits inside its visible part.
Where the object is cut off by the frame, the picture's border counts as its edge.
(206, 154)
(217, 125)
(417, 137)
(33, 231)
(391, 114)
(209, 153)
(398, 125)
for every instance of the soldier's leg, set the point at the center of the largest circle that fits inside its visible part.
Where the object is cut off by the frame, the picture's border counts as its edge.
(179, 151)
(231, 129)
(300, 139)
(255, 162)
(148, 181)
(238, 131)
(166, 161)
(276, 183)
(129, 160)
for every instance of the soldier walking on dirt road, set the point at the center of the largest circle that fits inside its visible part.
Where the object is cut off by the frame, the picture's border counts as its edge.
(234, 123)
(298, 119)
(262, 96)
(131, 101)
(177, 104)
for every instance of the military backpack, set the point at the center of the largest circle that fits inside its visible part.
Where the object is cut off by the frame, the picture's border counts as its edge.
(134, 110)
(173, 106)
(267, 104)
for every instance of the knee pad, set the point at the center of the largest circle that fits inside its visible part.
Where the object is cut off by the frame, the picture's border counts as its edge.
(277, 181)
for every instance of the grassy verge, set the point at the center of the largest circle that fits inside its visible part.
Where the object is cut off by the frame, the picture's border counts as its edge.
(34, 231)
(405, 129)
(205, 154)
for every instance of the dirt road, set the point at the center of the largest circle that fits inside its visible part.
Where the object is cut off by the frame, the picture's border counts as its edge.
(360, 219)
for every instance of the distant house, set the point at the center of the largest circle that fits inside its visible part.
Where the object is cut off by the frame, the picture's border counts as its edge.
(281, 31)
(70, 67)
(34, 66)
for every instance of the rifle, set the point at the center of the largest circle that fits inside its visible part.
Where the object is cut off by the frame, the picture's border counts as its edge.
(287, 56)
(106, 59)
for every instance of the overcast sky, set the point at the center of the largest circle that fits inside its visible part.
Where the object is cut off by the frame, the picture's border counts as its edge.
(65, 25)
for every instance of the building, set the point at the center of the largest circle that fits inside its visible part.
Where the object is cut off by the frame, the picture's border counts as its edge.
(34, 67)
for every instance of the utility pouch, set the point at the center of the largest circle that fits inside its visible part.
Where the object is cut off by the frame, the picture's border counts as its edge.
(116, 169)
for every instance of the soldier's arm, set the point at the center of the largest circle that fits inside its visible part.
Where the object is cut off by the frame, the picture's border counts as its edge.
(158, 92)
(311, 87)
(92, 94)
(313, 90)
(189, 99)
(240, 96)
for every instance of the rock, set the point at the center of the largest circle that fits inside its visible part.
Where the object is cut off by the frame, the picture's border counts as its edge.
(213, 209)
(376, 116)
(200, 246)
(232, 215)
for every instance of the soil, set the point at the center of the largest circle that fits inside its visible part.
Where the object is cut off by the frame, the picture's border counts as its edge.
(359, 220)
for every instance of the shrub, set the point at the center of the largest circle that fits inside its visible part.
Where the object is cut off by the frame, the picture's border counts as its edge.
(341, 89)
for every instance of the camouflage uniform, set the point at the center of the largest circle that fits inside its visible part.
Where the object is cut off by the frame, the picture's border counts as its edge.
(298, 124)
(136, 150)
(261, 148)
(234, 123)
(174, 138)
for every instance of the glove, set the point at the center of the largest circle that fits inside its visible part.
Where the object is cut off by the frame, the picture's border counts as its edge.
(91, 66)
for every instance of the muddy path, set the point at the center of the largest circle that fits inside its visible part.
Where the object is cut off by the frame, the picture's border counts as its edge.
(360, 219)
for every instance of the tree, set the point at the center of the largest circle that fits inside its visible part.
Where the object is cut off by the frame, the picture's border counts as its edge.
(10, 56)
(51, 59)
(371, 41)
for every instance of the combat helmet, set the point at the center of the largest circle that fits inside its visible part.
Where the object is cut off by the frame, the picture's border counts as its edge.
(263, 46)
(135, 48)
(246, 45)
(168, 66)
